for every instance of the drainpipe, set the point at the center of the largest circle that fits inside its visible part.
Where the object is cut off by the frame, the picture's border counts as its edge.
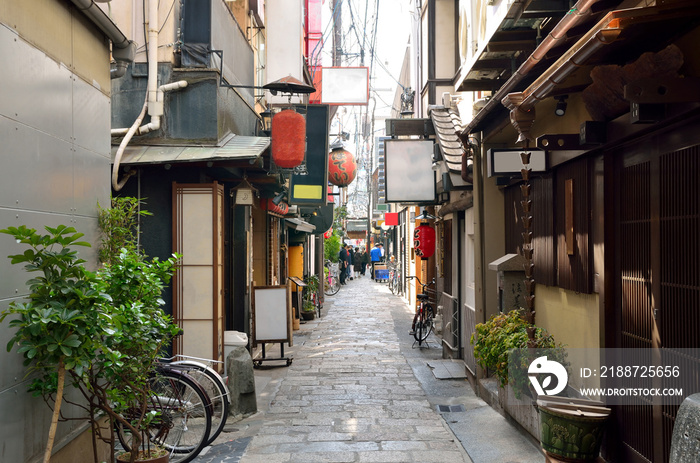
(579, 12)
(123, 49)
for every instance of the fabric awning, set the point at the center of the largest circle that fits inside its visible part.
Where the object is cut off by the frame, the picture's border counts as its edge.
(236, 147)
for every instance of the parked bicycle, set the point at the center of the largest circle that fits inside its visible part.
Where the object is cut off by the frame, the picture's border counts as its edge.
(331, 283)
(422, 324)
(395, 280)
(180, 415)
(202, 371)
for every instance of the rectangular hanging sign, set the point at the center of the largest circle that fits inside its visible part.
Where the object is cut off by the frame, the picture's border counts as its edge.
(410, 178)
(310, 189)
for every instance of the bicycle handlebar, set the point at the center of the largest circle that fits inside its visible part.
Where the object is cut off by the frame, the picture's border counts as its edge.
(432, 282)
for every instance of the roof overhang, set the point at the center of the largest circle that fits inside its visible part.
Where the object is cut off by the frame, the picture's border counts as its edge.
(300, 225)
(236, 147)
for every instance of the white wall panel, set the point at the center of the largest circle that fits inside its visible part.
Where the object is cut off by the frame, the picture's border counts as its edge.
(91, 119)
(36, 90)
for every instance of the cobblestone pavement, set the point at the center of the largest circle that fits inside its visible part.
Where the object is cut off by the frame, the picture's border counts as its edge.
(355, 392)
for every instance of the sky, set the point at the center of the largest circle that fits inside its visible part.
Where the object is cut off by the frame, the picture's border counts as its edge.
(393, 30)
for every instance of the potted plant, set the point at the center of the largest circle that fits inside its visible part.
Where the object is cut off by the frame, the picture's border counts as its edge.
(141, 331)
(308, 308)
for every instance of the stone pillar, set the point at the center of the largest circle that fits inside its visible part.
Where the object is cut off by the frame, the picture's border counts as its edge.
(241, 382)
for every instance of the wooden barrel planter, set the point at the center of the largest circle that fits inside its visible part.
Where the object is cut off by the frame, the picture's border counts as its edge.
(572, 429)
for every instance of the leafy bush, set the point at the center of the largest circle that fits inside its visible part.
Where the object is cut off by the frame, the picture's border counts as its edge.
(495, 340)
(331, 248)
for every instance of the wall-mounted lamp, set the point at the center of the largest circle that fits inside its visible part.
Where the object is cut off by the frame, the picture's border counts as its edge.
(266, 120)
(560, 109)
(278, 198)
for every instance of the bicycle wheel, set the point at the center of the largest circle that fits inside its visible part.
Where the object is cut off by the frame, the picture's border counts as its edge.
(424, 324)
(215, 387)
(184, 417)
(331, 286)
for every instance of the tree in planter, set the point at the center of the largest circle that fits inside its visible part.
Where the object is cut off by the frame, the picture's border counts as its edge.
(118, 382)
(58, 329)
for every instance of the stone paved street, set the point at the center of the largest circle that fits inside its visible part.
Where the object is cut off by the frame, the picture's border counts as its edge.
(359, 391)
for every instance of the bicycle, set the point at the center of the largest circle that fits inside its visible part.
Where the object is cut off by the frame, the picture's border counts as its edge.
(395, 278)
(331, 283)
(214, 385)
(423, 320)
(181, 411)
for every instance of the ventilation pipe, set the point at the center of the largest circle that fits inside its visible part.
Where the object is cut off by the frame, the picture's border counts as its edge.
(154, 97)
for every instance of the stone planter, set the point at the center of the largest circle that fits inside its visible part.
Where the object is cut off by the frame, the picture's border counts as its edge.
(308, 315)
(572, 429)
(124, 457)
(522, 410)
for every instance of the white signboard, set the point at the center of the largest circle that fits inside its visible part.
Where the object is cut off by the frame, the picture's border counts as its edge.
(509, 161)
(409, 171)
(345, 86)
(270, 313)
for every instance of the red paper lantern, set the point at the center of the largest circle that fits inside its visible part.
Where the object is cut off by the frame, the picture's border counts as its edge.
(288, 138)
(341, 167)
(424, 240)
(266, 204)
(328, 233)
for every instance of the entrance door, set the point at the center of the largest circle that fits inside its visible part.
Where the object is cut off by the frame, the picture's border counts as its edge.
(198, 284)
(657, 280)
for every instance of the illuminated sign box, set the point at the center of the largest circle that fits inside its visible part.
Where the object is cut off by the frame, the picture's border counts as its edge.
(409, 173)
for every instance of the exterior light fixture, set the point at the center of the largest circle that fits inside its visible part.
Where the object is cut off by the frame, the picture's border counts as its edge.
(278, 198)
(244, 193)
(266, 120)
(560, 109)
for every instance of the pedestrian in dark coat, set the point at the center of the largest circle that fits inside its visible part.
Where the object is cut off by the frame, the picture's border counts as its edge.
(342, 263)
(357, 263)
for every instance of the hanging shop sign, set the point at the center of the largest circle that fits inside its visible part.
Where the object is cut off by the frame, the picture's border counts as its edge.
(310, 188)
(410, 178)
(424, 240)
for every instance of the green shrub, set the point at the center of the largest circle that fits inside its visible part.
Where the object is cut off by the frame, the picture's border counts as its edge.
(495, 341)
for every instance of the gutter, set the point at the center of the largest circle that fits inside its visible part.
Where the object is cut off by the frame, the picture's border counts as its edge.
(123, 49)
(577, 14)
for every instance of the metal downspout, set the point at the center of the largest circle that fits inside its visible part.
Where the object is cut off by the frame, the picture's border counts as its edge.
(123, 49)
(579, 12)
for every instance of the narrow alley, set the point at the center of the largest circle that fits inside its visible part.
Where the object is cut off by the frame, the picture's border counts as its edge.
(358, 390)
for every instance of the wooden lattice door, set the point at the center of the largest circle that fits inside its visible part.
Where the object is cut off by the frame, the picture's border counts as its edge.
(658, 283)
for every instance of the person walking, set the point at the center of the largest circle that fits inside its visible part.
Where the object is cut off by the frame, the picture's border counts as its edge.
(351, 262)
(342, 263)
(365, 260)
(357, 262)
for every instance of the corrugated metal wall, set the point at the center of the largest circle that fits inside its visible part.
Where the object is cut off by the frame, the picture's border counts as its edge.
(54, 127)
